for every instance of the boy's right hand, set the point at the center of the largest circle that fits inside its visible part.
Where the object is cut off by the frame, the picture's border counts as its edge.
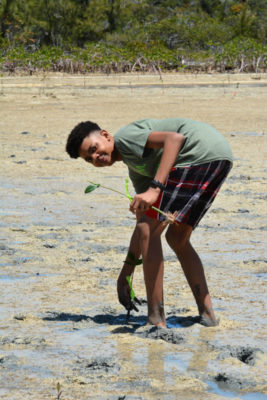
(124, 296)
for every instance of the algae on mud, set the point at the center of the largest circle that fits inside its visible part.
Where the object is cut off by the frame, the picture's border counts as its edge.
(61, 252)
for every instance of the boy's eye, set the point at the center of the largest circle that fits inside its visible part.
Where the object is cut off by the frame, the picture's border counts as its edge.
(91, 150)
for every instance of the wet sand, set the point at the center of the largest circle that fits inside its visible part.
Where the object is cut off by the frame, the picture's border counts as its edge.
(62, 250)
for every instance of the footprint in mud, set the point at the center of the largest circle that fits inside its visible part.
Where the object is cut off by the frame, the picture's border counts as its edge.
(245, 354)
(153, 332)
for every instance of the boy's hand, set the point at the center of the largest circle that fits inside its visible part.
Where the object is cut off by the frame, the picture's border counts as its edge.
(125, 297)
(143, 201)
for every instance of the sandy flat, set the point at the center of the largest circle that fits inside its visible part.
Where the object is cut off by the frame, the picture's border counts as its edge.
(61, 250)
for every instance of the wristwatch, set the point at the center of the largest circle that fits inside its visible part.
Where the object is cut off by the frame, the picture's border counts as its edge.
(157, 184)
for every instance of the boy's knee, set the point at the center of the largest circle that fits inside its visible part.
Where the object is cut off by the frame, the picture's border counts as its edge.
(143, 231)
(171, 239)
(147, 228)
(177, 238)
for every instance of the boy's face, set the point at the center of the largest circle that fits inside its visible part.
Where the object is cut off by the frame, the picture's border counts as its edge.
(97, 149)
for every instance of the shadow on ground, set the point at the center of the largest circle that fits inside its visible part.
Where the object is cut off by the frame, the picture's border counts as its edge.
(135, 321)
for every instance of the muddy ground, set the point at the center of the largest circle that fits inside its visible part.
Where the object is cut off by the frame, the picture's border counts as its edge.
(62, 250)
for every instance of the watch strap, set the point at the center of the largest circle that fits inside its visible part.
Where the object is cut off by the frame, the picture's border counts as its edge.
(154, 183)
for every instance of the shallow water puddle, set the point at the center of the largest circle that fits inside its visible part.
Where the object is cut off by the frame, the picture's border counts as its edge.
(214, 388)
(262, 275)
(177, 362)
(83, 338)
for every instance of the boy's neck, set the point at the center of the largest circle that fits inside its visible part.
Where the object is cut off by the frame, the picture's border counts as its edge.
(116, 156)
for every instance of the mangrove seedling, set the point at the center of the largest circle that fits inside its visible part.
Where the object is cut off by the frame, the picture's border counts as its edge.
(170, 218)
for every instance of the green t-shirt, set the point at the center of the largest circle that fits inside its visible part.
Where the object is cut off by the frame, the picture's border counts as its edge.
(202, 144)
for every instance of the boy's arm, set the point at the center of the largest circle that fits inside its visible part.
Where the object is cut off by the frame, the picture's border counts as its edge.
(128, 268)
(171, 143)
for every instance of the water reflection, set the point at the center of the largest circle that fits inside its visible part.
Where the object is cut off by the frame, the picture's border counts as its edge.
(202, 354)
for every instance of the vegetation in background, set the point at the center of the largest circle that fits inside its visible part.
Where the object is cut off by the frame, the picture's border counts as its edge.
(133, 35)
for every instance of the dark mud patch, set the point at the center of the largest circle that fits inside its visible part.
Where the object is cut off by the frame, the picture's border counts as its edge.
(245, 354)
(9, 361)
(246, 194)
(246, 134)
(87, 259)
(105, 223)
(257, 228)
(7, 250)
(49, 246)
(234, 383)
(255, 261)
(239, 178)
(24, 341)
(174, 310)
(101, 268)
(99, 364)
(153, 332)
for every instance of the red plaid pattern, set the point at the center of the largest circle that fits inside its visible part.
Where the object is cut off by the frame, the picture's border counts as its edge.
(191, 191)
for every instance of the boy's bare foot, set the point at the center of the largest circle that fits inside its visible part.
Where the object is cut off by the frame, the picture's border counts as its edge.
(156, 315)
(207, 321)
(207, 317)
(159, 324)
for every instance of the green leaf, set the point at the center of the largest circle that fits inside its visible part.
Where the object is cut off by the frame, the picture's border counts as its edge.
(90, 188)
(132, 294)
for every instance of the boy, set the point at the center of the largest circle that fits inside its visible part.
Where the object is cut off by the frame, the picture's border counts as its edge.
(176, 165)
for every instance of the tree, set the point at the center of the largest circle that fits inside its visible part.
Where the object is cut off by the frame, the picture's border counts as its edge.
(6, 17)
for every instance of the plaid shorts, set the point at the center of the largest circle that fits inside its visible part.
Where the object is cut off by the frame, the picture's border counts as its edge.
(191, 191)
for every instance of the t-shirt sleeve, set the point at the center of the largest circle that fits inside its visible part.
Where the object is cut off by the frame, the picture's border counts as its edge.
(140, 182)
(132, 138)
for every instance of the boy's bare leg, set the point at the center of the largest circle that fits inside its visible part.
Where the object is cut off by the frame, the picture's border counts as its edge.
(135, 250)
(178, 238)
(146, 229)
(128, 268)
(150, 243)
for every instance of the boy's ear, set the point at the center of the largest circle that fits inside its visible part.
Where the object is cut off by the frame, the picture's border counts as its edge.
(104, 133)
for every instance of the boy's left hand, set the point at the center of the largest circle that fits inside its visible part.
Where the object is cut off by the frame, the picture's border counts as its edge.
(143, 201)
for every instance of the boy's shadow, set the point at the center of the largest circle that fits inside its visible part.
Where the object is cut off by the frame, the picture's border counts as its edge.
(173, 321)
(126, 324)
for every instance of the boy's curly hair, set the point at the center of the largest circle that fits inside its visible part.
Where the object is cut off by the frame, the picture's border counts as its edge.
(77, 135)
